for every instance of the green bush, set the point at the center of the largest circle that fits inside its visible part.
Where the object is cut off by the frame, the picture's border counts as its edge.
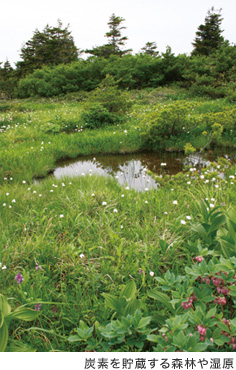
(96, 116)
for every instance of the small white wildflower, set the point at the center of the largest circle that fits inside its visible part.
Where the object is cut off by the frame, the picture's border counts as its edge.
(51, 191)
(183, 222)
(61, 216)
(127, 188)
(146, 201)
(151, 273)
(163, 164)
(104, 203)
(34, 192)
(175, 202)
(7, 194)
(121, 226)
(40, 195)
(81, 255)
(213, 199)
(146, 189)
(189, 182)
(165, 213)
(122, 195)
(4, 267)
(115, 210)
(188, 217)
(93, 195)
(206, 181)
(202, 177)
(13, 201)
(231, 177)
(211, 205)
(23, 182)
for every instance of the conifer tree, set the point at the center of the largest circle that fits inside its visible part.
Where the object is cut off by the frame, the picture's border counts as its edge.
(52, 46)
(208, 37)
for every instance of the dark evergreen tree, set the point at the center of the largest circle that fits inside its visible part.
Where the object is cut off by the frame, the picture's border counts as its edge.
(115, 40)
(8, 80)
(150, 48)
(52, 46)
(208, 37)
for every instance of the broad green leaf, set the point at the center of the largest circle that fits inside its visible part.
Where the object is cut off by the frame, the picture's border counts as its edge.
(152, 338)
(75, 338)
(161, 297)
(131, 306)
(1, 319)
(23, 313)
(144, 322)
(4, 306)
(3, 337)
(112, 302)
(129, 290)
(200, 347)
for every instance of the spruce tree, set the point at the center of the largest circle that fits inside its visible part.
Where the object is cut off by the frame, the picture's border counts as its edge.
(208, 37)
(52, 46)
(115, 40)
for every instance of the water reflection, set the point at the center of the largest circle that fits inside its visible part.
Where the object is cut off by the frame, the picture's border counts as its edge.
(131, 169)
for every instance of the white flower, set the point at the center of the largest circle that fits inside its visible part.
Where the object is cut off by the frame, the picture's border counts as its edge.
(175, 202)
(231, 177)
(146, 201)
(104, 203)
(183, 222)
(188, 217)
(189, 182)
(211, 205)
(163, 164)
(81, 255)
(146, 189)
(51, 191)
(4, 204)
(165, 213)
(23, 182)
(151, 273)
(127, 188)
(34, 192)
(122, 195)
(13, 201)
(115, 210)
(213, 199)
(61, 216)
(121, 226)
(93, 195)
(4, 267)
(202, 177)
(7, 194)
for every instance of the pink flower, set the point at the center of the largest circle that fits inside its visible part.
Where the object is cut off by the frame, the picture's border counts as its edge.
(199, 259)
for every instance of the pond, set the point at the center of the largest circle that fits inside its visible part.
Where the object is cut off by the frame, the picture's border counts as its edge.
(131, 169)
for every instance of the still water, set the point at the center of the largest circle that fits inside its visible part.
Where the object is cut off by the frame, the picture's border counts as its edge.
(131, 169)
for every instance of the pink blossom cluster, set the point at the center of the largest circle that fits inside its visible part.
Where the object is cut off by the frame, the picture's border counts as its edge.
(225, 333)
(202, 331)
(199, 259)
(165, 337)
(188, 304)
(220, 300)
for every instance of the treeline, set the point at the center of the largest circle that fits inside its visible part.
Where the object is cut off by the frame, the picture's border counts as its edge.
(213, 75)
(51, 64)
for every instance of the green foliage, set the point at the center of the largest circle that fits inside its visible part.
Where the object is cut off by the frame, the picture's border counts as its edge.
(52, 46)
(6, 315)
(96, 116)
